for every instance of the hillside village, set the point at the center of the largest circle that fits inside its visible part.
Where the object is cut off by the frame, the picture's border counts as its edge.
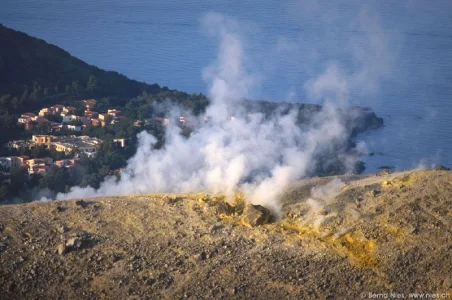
(67, 144)
(68, 117)
(63, 127)
(70, 145)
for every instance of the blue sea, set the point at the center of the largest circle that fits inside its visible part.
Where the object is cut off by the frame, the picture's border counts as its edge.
(405, 46)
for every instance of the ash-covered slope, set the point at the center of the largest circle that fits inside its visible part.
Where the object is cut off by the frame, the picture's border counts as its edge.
(339, 237)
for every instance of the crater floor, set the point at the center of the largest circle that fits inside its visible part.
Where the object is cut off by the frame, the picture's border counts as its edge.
(338, 237)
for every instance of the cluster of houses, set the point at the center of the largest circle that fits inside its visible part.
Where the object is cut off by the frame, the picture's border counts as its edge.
(148, 122)
(66, 144)
(70, 121)
(30, 120)
(183, 121)
(36, 165)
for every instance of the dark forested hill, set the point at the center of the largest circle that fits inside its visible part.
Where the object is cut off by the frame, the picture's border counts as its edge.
(26, 61)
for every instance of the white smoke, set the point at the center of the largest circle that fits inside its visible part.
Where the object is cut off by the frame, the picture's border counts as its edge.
(328, 191)
(320, 197)
(258, 156)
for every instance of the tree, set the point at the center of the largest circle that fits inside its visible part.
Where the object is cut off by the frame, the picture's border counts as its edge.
(5, 102)
(15, 103)
(39, 151)
(54, 179)
(79, 108)
(25, 94)
(92, 86)
(18, 178)
(75, 89)
(54, 118)
(103, 104)
(37, 92)
(43, 128)
(3, 193)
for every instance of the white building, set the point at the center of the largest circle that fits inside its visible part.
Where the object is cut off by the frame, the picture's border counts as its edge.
(74, 127)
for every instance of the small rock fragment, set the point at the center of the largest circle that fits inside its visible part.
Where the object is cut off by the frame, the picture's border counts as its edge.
(215, 228)
(374, 193)
(74, 243)
(58, 209)
(447, 283)
(62, 249)
(63, 229)
(200, 256)
(133, 258)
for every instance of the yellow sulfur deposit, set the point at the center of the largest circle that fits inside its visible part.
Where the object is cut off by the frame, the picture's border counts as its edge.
(406, 180)
(360, 252)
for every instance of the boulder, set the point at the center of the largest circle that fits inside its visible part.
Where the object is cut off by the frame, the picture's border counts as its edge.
(255, 215)
(81, 203)
(384, 171)
(442, 168)
(224, 208)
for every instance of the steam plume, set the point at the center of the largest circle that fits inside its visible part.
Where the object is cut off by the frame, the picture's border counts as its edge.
(258, 156)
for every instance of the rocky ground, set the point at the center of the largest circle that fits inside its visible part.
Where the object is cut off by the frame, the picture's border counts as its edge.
(337, 238)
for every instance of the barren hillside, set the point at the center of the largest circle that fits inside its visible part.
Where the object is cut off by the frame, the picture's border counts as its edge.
(337, 238)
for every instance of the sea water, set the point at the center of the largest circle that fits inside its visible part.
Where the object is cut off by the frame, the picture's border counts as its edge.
(286, 43)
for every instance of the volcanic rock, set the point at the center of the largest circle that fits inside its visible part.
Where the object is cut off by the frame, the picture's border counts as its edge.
(447, 283)
(225, 208)
(200, 256)
(442, 168)
(74, 243)
(63, 229)
(61, 249)
(81, 203)
(255, 215)
(384, 171)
